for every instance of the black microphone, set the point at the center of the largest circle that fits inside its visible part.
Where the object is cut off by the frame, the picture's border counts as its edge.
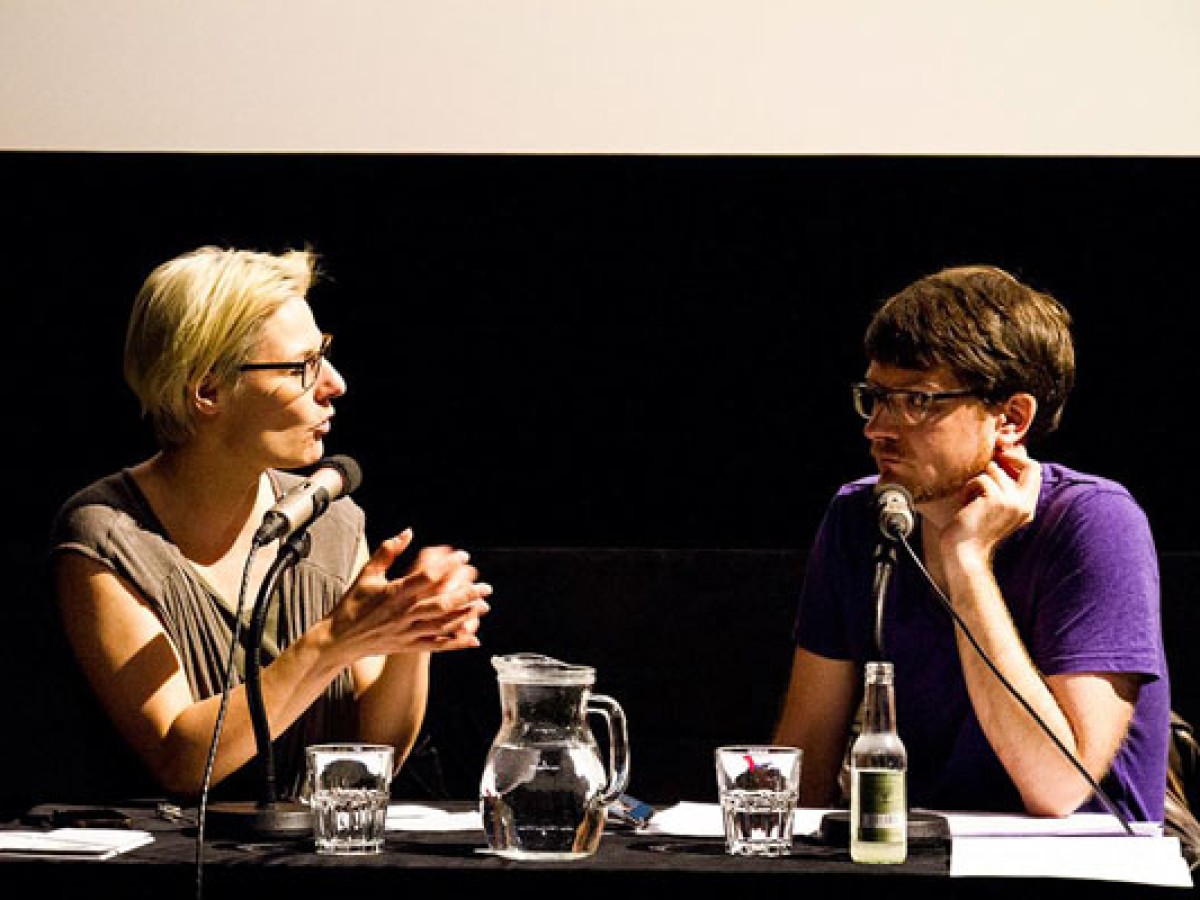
(895, 506)
(896, 521)
(334, 477)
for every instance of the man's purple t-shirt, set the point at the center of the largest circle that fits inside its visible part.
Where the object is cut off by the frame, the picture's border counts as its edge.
(1081, 583)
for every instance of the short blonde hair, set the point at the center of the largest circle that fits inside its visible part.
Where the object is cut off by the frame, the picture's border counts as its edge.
(198, 317)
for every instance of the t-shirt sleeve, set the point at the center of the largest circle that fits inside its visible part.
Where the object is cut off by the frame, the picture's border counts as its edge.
(826, 614)
(1099, 603)
(107, 534)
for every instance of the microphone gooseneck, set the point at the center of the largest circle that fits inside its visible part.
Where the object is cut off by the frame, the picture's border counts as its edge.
(885, 562)
(896, 521)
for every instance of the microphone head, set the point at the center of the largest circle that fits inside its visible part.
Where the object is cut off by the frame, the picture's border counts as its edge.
(895, 505)
(346, 467)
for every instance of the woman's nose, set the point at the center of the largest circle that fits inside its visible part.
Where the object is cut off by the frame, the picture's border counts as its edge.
(330, 383)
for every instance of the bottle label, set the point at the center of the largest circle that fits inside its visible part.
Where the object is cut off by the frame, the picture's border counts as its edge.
(883, 812)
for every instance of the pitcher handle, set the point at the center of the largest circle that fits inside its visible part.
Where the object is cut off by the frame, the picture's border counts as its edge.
(618, 744)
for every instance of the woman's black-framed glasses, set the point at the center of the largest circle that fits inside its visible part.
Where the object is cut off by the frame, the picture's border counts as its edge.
(909, 406)
(307, 369)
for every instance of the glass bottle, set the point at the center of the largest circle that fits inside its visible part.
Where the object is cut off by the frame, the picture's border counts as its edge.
(878, 769)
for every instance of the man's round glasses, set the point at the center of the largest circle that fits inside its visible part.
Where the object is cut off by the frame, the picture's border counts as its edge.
(908, 406)
(306, 369)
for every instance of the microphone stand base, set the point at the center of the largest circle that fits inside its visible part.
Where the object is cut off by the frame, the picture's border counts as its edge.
(924, 828)
(256, 819)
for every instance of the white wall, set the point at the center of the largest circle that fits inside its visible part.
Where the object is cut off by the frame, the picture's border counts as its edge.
(1093, 77)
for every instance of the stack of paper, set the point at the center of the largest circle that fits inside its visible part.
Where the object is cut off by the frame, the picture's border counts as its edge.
(73, 843)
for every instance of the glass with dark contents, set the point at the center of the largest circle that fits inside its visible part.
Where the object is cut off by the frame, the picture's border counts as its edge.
(759, 789)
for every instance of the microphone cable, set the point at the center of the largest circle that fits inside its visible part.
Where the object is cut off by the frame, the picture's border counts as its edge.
(216, 738)
(945, 601)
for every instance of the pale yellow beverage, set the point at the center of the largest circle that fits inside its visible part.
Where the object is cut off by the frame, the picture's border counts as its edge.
(878, 816)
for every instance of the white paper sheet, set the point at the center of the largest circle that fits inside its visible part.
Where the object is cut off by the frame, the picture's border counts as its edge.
(414, 817)
(690, 819)
(687, 819)
(76, 843)
(1142, 859)
(1003, 825)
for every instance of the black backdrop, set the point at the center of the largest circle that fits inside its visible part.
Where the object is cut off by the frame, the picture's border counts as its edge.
(602, 350)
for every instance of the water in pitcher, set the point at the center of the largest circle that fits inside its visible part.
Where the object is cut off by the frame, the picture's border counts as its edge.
(545, 789)
(544, 802)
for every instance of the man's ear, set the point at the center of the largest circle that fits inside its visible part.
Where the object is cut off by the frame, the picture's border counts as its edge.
(1016, 417)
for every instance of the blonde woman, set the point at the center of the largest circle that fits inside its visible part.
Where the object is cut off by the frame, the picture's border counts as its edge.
(229, 365)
